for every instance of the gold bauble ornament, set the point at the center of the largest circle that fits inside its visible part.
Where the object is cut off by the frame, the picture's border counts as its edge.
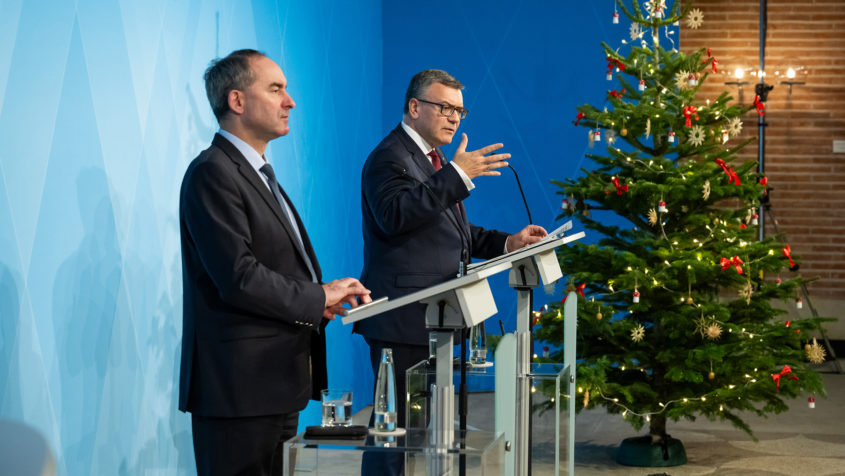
(815, 352)
(689, 300)
(624, 132)
(711, 375)
(713, 331)
(598, 315)
(715, 221)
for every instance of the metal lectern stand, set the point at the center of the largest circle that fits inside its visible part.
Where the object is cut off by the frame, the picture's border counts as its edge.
(465, 302)
(455, 304)
(528, 268)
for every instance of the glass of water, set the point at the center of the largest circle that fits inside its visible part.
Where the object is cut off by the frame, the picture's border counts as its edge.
(337, 407)
(478, 345)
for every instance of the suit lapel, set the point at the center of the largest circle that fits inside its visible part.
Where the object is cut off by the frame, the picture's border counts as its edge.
(251, 176)
(423, 162)
(455, 209)
(420, 159)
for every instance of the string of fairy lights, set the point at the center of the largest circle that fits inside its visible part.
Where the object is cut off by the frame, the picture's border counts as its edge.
(683, 80)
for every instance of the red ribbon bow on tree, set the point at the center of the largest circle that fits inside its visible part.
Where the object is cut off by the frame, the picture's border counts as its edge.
(689, 112)
(581, 289)
(611, 62)
(732, 176)
(620, 189)
(735, 261)
(760, 106)
(715, 61)
(616, 93)
(578, 117)
(784, 371)
(787, 251)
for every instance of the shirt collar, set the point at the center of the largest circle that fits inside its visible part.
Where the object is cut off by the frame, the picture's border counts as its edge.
(417, 138)
(251, 155)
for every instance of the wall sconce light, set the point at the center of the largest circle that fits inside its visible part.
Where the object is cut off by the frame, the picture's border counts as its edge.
(790, 81)
(739, 73)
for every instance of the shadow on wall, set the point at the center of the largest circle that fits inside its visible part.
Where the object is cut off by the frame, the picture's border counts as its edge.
(9, 335)
(85, 295)
(169, 430)
(180, 423)
(164, 349)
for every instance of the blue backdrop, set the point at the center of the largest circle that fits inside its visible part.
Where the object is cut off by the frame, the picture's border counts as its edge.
(525, 66)
(101, 109)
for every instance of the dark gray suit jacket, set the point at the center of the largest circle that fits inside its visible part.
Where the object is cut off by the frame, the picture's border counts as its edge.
(251, 342)
(409, 241)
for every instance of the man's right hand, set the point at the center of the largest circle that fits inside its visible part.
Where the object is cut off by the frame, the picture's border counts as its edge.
(341, 291)
(477, 162)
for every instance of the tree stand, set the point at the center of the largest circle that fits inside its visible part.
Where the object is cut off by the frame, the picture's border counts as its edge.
(644, 451)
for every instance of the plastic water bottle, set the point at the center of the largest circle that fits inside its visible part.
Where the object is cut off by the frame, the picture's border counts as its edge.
(384, 401)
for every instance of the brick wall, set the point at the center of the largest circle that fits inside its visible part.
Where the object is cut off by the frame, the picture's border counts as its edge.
(808, 178)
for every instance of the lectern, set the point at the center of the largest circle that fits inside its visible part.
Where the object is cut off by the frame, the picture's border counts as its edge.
(455, 304)
(468, 301)
(529, 267)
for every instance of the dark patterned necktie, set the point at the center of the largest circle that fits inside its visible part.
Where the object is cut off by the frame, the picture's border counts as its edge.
(267, 170)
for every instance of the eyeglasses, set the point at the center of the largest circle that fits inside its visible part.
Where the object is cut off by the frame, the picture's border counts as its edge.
(447, 109)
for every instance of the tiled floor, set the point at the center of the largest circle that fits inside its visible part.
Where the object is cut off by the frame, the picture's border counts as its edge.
(801, 441)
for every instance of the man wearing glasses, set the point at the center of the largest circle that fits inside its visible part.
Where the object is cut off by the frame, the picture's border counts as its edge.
(416, 232)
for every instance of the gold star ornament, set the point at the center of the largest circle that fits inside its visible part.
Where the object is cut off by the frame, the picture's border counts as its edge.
(637, 333)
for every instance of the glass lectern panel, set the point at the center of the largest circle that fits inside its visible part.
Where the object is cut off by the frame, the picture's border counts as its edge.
(480, 384)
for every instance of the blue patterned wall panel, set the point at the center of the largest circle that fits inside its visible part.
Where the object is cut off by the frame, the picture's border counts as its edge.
(103, 107)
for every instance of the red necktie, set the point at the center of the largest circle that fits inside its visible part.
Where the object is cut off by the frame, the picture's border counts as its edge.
(435, 159)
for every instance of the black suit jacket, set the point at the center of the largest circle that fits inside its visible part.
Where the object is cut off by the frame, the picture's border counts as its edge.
(409, 241)
(252, 341)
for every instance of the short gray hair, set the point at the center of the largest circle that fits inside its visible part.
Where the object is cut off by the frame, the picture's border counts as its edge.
(422, 80)
(226, 74)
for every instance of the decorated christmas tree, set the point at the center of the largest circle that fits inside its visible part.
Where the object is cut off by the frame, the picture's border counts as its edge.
(675, 313)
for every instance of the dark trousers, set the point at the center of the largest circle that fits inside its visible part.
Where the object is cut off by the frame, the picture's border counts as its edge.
(242, 446)
(404, 357)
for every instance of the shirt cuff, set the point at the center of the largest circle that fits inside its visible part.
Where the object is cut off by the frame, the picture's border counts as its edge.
(464, 176)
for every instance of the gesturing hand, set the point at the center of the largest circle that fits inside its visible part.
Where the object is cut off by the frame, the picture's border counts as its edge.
(477, 162)
(343, 291)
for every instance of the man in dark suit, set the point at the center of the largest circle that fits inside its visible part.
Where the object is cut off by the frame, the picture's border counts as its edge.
(255, 307)
(414, 222)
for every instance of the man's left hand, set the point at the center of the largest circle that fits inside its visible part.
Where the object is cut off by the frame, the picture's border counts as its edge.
(527, 236)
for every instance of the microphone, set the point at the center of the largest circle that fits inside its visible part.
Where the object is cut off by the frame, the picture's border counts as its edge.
(464, 238)
(522, 193)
